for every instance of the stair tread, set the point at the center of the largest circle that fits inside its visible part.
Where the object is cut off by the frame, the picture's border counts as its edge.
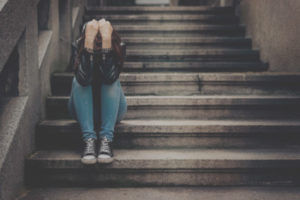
(198, 76)
(188, 39)
(178, 158)
(160, 40)
(155, 8)
(203, 97)
(174, 193)
(137, 7)
(160, 17)
(181, 122)
(195, 65)
(191, 51)
(197, 100)
(171, 27)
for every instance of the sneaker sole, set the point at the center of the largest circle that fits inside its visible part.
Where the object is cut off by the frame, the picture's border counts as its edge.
(105, 160)
(88, 161)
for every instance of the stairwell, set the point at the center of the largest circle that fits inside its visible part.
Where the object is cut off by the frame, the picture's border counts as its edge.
(203, 110)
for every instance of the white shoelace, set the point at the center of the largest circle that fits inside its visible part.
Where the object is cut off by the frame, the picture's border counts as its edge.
(89, 149)
(104, 145)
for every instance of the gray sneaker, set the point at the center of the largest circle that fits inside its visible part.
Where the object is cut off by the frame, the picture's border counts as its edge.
(89, 153)
(105, 154)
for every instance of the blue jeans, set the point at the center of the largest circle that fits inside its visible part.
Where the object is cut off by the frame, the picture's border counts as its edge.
(113, 108)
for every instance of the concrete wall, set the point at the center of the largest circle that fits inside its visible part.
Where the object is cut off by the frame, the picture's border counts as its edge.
(40, 53)
(275, 29)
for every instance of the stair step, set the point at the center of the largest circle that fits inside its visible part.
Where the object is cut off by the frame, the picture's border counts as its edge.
(182, 30)
(159, 10)
(192, 55)
(188, 43)
(147, 134)
(168, 167)
(196, 107)
(154, 19)
(193, 83)
(193, 66)
(174, 193)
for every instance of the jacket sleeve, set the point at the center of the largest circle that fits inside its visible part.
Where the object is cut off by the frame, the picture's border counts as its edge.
(84, 70)
(111, 67)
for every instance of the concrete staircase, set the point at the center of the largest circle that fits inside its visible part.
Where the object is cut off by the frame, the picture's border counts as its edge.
(202, 109)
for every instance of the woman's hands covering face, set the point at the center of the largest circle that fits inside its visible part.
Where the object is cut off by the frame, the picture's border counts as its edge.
(92, 29)
(105, 29)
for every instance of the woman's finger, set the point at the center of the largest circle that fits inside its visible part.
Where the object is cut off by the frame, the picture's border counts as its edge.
(102, 20)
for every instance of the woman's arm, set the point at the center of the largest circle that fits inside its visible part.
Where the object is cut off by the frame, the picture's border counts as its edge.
(90, 34)
(109, 68)
(84, 71)
(105, 30)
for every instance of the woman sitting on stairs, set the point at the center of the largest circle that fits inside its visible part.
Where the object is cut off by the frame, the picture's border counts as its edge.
(98, 56)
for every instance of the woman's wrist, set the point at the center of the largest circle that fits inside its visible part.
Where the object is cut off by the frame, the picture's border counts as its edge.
(89, 45)
(106, 42)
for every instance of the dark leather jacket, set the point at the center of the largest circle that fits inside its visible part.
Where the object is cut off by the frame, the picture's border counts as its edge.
(105, 62)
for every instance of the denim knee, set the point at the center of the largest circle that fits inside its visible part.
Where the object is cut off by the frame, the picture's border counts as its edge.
(111, 89)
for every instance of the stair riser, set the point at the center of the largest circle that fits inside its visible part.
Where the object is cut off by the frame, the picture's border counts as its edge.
(212, 112)
(194, 88)
(58, 110)
(173, 88)
(195, 46)
(188, 88)
(172, 30)
(71, 140)
(183, 34)
(193, 57)
(154, 177)
(211, 21)
(191, 66)
(164, 12)
(132, 42)
(166, 20)
(159, 11)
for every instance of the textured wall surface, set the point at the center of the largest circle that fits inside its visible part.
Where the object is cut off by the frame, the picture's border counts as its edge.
(20, 114)
(275, 29)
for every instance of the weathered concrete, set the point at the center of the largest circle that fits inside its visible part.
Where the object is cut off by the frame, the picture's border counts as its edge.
(39, 55)
(185, 167)
(203, 66)
(173, 83)
(274, 27)
(193, 55)
(166, 19)
(165, 134)
(174, 193)
(198, 27)
(160, 10)
(196, 107)
(16, 130)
